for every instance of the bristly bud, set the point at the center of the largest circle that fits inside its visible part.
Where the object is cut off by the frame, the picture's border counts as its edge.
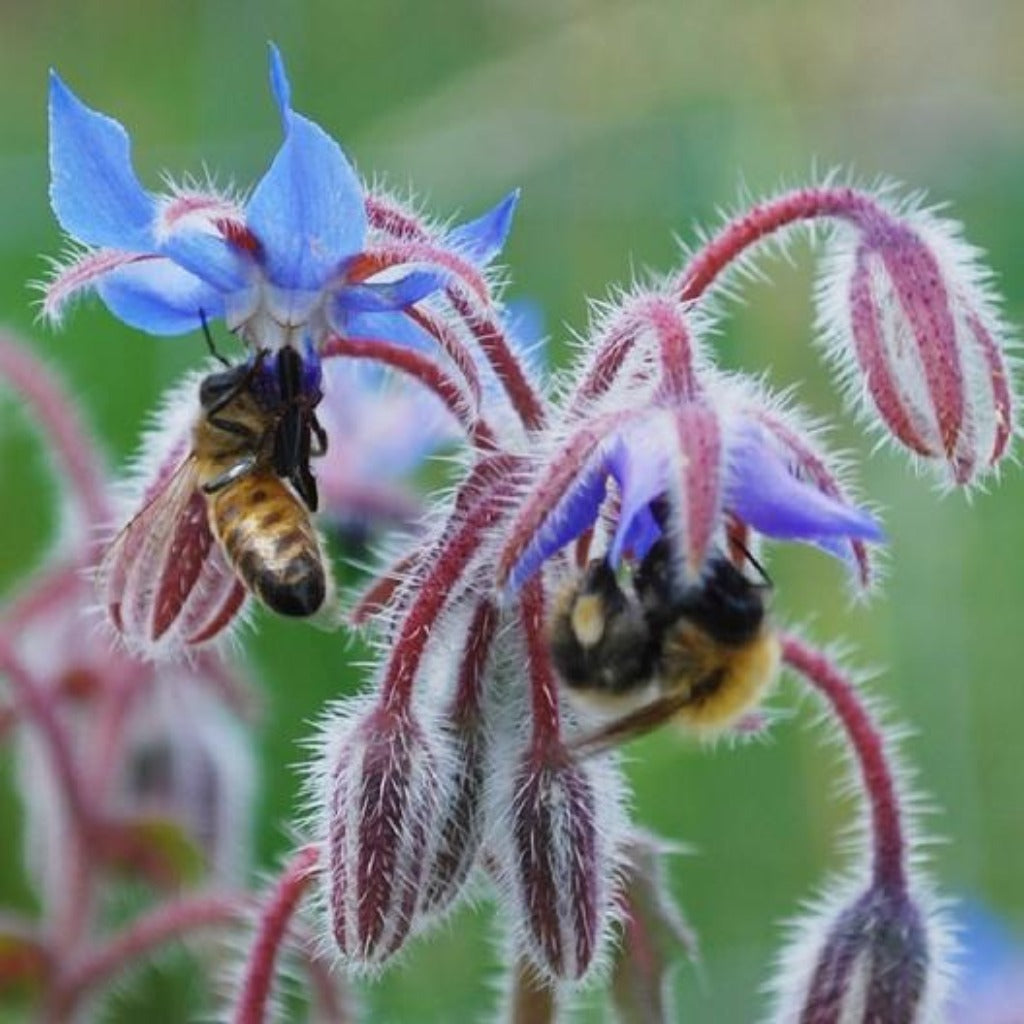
(463, 818)
(904, 305)
(557, 852)
(381, 802)
(872, 962)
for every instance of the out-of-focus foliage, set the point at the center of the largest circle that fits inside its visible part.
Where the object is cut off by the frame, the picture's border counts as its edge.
(625, 123)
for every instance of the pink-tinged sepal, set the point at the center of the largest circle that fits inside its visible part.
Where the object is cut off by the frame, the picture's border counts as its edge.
(463, 817)
(164, 581)
(905, 307)
(557, 850)
(382, 798)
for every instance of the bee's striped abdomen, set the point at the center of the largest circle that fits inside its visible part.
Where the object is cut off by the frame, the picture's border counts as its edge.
(268, 537)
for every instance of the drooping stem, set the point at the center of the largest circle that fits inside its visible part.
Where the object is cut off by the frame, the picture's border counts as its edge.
(448, 565)
(425, 370)
(40, 706)
(868, 746)
(494, 343)
(170, 921)
(273, 924)
(544, 704)
(706, 266)
(763, 220)
(54, 412)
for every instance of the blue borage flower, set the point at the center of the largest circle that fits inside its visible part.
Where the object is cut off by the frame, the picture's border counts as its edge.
(686, 470)
(280, 268)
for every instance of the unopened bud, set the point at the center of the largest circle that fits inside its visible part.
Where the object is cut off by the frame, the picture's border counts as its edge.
(905, 306)
(872, 962)
(382, 810)
(557, 851)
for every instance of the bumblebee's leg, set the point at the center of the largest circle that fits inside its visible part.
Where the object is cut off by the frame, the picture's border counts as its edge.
(229, 476)
(636, 723)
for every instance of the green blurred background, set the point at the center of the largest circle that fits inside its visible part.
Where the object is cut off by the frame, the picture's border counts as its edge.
(625, 124)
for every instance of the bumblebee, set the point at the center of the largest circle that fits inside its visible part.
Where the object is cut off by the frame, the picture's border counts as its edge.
(697, 652)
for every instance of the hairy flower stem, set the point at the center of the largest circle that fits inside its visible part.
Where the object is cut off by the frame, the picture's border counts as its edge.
(543, 685)
(434, 592)
(168, 922)
(39, 706)
(868, 746)
(765, 219)
(252, 1004)
(471, 287)
(424, 369)
(55, 412)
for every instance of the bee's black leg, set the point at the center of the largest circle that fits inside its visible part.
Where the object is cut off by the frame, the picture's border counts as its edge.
(321, 437)
(229, 476)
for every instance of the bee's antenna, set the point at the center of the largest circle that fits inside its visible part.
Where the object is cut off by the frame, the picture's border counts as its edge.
(209, 338)
(762, 572)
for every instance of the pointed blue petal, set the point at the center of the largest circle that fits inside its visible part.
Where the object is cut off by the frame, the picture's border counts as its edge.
(383, 297)
(764, 493)
(391, 326)
(637, 461)
(279, 85)
(482, 239)
(94, 191)
(308, 210)
(576, 512)
(210, 257)
(158, 297)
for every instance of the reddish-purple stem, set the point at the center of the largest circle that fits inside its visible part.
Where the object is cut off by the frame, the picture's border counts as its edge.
(428, 372)
(472, 667)
(562, 470)
(448, 564)
(40, 706)
(868, 746)
(543, 685)
(764, 219)
(452, 346)
(55, 413)
(273, 925)
(492, 340)
(716, 255)
(415, 243)
(169, 921)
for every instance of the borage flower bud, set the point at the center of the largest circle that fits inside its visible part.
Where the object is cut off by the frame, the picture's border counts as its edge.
(556, 847)
(874, 961)
(382, 780)
(463, 816)
(188, 759)
(905, 311)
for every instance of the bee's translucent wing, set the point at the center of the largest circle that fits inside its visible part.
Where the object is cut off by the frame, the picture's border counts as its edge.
(164, 581)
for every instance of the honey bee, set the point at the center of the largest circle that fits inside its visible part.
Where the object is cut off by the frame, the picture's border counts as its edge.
(699, 653)
(246, 483)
